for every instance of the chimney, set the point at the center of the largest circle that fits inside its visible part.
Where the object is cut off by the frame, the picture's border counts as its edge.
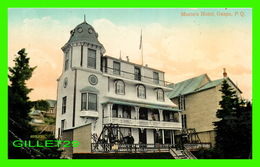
(224, 73)
(120, 57)
(127, 58)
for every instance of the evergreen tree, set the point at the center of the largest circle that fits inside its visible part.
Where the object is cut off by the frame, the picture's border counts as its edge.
(233, 130)
(19, 105)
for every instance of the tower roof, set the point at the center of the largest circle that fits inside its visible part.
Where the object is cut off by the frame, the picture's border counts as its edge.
(84, 32)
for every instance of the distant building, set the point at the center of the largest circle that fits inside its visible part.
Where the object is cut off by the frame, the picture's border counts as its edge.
(44, 121)
(53, 108)
(101, 96)
(199, 99)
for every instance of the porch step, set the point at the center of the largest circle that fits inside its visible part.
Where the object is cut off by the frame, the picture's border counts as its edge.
(179, 154)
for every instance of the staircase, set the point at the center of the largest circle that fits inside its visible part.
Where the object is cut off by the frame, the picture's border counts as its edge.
(181, 154)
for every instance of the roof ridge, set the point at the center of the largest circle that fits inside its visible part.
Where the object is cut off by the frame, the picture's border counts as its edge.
(192, 78)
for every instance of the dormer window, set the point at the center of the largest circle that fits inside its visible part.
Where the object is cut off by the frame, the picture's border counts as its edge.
(160, 94)
(141, 91)
(120, 87)
(137, 74)
(116, 68)
(91, 58)
(155, 77)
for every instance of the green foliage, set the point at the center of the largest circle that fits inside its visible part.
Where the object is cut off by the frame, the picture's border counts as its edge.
(42, 105)
(48, 152)
(234, 129)
(49, 120)
(19, 106)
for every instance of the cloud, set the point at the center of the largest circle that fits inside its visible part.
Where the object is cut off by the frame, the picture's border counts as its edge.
(181, 51)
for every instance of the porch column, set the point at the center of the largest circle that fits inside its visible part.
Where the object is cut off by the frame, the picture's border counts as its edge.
(180, 120)
(172, 137)
(137, 114)
(161, 114)
(110, 107)
(157, 131)
(137, 111)
(163, 141)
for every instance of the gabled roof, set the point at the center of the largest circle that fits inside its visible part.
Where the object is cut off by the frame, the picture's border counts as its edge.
(211, 84)
(51, 102)
(187, 86)
(194, 85)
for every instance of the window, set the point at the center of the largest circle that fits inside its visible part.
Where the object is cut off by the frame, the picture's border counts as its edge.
(181, 102)
(92, 101)
(120, 87)
(62, 125)
(167, 136)
(155, 77)
(64, 99)
(89, 101)
(158, 136)
(84, 101)
(81, 56)
(141, 93)
(66, 61)
(160, 95)
(184, 121)
(91, 58)
(116, 68)
(137, 74)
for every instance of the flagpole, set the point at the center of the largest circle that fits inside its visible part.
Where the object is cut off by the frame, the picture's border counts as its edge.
(142, 55)
(141, 47)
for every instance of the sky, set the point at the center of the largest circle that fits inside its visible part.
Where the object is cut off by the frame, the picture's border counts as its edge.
(184, 43)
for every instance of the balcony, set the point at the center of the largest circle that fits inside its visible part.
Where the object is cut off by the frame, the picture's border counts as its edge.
(137, 77)
(142, 123)
(88, 114)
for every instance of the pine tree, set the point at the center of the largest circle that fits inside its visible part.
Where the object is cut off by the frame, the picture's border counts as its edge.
(19, 105)
(233, 130)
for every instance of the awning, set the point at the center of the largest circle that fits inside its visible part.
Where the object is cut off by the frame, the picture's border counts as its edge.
(89, 89)
(145, 105)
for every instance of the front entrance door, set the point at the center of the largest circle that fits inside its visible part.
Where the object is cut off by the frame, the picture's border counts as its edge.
(167, 136)
(142, 136)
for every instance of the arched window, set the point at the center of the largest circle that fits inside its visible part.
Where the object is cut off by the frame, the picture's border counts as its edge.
(160, 94)
(141, 92)
(120, 87)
